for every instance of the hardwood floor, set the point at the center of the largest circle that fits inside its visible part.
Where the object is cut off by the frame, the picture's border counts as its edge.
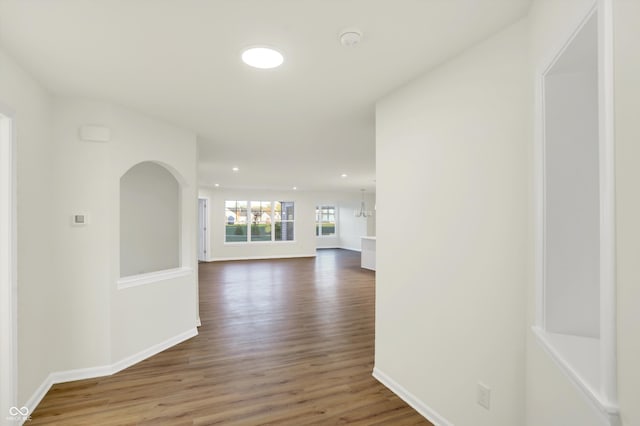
(282, 342)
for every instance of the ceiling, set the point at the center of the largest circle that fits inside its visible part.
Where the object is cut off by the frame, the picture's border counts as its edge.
(303, 124)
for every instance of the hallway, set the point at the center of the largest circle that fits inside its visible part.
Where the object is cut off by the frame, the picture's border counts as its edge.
(285, 341)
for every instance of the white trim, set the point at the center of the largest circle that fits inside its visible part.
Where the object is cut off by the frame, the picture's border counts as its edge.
(242, 243)
(206, 221)
(105, 370)
(359, 250)
(290, 256)
(422, 408)
(8, 264)
(609, 411)
(152, 277)
(608, 306)
(153, 350)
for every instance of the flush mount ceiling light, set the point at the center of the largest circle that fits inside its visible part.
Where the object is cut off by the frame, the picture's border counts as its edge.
(235, 169)
(350, 38)
(262, 57)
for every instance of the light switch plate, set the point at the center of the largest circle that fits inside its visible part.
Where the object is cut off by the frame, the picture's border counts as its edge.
(484, 395)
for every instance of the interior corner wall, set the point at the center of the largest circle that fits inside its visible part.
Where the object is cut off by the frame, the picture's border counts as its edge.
(451, 280)
(627, 136)
(551, 398)
(37, 324)
(349, 229)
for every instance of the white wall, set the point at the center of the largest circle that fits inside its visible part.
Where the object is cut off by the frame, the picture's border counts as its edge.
(71, 315)
(627, 127)
(37, 323)
(149, 220)
(105, 324)
(451, 277)
(350, 229)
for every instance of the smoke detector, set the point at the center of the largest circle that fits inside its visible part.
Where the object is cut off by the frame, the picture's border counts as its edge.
(350, 38)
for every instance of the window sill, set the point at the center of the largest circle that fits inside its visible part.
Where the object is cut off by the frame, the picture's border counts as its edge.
(152, 277)
(579, 357)
(240, 243)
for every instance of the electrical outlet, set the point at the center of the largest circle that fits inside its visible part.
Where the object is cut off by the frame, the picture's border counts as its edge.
(484, 395)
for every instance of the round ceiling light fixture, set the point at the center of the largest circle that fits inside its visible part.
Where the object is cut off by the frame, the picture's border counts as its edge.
(262, 57)
(350, 38)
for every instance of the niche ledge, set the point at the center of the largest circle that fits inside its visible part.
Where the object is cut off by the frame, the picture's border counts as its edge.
(152, 277)
(579, 358)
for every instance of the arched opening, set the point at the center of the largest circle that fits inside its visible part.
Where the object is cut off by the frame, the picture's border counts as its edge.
(150, 231)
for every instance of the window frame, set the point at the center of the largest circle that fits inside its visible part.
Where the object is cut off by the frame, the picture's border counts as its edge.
(319, 220)
(250, 222)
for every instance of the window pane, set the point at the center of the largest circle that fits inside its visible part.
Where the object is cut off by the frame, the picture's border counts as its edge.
(284, 231)
(284, 221)
(261, 221)
(235, 221)
(328, 228)
(325, 220)
(287, 210)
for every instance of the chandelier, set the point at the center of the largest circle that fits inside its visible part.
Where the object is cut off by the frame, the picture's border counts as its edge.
(362, 211)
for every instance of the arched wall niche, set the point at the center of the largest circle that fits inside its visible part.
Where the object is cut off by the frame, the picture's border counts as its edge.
(150, 219)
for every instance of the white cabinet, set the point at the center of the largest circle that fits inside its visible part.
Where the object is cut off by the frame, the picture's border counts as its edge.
(368, 260)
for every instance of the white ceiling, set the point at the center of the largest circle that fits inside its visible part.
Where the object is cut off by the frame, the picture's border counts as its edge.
(302, 124)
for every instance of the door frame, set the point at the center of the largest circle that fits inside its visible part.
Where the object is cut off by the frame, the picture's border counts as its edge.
(203, 221)
(8, 265)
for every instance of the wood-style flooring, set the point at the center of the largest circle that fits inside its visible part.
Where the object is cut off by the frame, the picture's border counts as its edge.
(282, 342)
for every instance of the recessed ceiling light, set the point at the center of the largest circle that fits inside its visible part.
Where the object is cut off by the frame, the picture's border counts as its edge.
(216, 185)
(295, 188)
(262, 57)
(235, 169)
(344, 175)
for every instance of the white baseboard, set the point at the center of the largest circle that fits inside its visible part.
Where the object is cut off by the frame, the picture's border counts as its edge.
(105, 370)
(293, 256)
(411, 399)
(153, 350)
(351, 249)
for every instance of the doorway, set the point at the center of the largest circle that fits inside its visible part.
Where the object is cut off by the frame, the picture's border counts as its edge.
(8, 282)
(202, 230)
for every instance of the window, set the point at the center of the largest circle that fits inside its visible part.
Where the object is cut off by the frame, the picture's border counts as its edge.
(258, 221)
(325, 221)
(236, 221)
(283, 221)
